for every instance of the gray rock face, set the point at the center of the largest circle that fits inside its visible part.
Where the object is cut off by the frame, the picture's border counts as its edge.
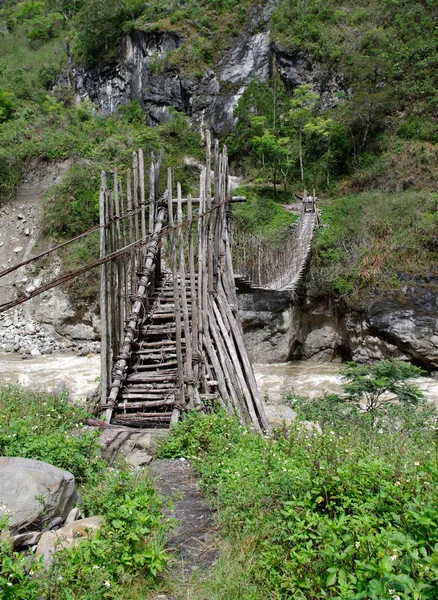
(142, 73)
(403, 326)
(34, 492)
(266, 321)
(320, 344)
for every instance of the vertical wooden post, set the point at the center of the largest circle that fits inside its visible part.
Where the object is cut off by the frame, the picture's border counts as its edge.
(142, 194)
(133, 278)
(201, 257)
(195, 314)
(184, 305)
(104, 343)
(210, 217)
(152, 196)
(176, 299)
(135, 196)
(112, 295)
(120, 274)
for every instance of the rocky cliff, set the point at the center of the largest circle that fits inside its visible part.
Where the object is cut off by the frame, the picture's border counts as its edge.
(401, 324)
(142, 72)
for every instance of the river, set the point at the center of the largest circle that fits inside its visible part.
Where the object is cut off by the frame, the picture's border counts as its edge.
(79, 373)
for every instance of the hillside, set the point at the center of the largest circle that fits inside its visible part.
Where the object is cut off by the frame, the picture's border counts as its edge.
(337, 96)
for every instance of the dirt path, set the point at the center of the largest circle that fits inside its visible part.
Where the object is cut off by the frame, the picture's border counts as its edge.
(192, 543)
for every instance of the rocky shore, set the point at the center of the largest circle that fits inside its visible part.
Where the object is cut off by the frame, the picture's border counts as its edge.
(22, 334)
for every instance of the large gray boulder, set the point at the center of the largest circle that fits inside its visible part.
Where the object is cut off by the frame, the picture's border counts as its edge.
(33, 492)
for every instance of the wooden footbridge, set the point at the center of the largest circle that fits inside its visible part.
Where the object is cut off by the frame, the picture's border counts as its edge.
(171, 340)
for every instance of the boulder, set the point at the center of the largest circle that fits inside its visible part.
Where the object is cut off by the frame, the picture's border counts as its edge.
(320, 344)
(34, 492)
(278, 414)
(67, 537)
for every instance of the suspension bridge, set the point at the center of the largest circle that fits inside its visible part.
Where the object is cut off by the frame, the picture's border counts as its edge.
(170, 336)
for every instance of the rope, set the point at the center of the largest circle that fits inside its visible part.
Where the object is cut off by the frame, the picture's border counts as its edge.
(97, 263)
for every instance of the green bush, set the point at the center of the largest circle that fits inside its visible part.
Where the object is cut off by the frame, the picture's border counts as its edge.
(344, 513)
(129, 549)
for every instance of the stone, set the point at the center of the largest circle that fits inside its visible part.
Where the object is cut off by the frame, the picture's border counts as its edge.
(320, 344)
(278, 414)
(68, 536)
(138, 458)
(21, 217)
(8, 323)
(18, 249)
(73, 515)
(34, 492)
(30, 329)
(143, 442)
(27, 231)
(27, 539)
(35, 352)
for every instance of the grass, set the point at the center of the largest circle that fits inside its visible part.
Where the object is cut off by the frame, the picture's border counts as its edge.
(373, 239)
(345, 513)
(127, 553)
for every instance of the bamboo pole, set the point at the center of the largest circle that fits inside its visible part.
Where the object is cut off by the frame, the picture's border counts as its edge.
(195, 314)
(184, 305)
(105, 350)
(174, 263)
(152, 195)
(131, 329)
(111, 279)
(133, 278)
(142, 193)
(120, 274)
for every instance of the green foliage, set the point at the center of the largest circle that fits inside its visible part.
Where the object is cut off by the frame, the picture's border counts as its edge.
(7, 105)
(41, 426)
(374, 387)
(346, 513)
(127, 551)
(72, 206)
(261, 211)
(374, 239)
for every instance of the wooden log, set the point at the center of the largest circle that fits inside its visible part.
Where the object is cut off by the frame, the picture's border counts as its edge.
(236, 330)
(210, 217)
(120, 273)
(194, 305)
(145, 404)
(229, 373)
(135, 199)
(105, 342)
(112, 277)
(133, 278)
(230, 348)
(142, 193)
(184, 304)
(178, 333)
(224, 399)
(151, 196)
(132, 326)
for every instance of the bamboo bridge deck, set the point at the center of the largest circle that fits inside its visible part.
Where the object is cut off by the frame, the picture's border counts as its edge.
(170, 337)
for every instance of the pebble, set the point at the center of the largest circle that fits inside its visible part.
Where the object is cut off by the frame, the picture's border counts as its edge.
(22, 334)
(18, 249)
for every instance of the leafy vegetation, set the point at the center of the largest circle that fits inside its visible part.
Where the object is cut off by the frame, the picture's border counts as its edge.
(375, 239)
(343, 508)
(126, 554)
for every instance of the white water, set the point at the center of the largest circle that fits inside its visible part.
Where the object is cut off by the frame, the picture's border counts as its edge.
(303, 378)
(46, 372)
(307, 378)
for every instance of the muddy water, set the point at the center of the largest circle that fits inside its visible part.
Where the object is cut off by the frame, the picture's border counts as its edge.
(306, 378)
(45, 372)
(303, 378)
